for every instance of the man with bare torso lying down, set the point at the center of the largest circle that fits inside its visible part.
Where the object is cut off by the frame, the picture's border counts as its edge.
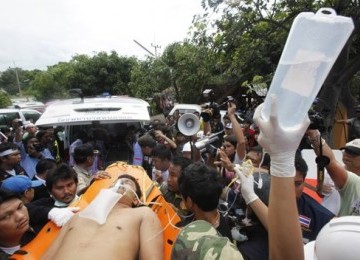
(128, 233)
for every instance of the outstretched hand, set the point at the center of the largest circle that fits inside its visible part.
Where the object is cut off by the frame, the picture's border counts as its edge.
(280, 142)
(274, 137)
(224, 160)
(247, 183)
(60, 216)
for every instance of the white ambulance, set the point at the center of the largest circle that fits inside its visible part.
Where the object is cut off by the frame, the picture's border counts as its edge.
(109, 118)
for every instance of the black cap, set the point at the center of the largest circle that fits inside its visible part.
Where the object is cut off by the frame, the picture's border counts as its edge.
(352, 147)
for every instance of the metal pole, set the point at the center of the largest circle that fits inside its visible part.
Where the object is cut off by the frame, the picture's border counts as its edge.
(17, 80)
(144, 48)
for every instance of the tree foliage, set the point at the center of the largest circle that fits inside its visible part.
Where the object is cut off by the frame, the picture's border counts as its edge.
(190, 69)
(249, 36)
(102, 73)
(4, 100)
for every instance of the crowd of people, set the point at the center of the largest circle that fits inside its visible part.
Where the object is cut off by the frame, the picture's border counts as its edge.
(237, 185)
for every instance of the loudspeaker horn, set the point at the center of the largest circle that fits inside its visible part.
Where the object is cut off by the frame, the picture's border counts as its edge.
(188, 124)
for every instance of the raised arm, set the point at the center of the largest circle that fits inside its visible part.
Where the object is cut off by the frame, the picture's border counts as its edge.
(285, 238)
(335, 169)
(250, 197)
(171, 143)
(239, 134)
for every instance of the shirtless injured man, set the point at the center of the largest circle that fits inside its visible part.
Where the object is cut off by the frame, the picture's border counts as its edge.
(111, 227)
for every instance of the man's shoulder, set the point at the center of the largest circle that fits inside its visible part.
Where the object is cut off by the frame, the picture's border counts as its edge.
(76, 143)
(3, 255)
(81, 171)
(170, 196)
(144, 209)
(28, 159)
(42, 202)
(353, 180)
(312, 206)
(19, 170)
(145, 212)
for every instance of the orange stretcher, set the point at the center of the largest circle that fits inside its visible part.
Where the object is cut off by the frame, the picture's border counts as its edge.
(151, 197)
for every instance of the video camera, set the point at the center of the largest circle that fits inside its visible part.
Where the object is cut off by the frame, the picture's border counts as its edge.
(228, 99)
(317, 119)
(204, 145)
(211, 109)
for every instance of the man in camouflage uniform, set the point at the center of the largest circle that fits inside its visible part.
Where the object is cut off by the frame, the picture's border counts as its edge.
(200, 240)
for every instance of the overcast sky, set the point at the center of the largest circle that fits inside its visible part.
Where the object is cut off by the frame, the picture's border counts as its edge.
(39, 33)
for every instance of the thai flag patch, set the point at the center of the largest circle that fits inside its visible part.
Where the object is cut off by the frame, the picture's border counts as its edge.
(304, 221)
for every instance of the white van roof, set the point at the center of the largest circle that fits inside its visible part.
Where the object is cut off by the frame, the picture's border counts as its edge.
(102, 109)
(185, 108)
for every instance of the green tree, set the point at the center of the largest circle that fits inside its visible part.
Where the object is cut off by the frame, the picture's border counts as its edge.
(249, 36)
(147, 78)
(190, 67)
(52, 83)
(8, 80)
(4, 100)
(102, 73)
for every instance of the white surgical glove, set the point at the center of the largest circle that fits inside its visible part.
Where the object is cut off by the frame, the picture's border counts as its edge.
(280, 142)
(247, 185)
(62, 215)
(237, 236)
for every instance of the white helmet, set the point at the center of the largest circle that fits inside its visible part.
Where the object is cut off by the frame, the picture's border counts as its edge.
(338, 239)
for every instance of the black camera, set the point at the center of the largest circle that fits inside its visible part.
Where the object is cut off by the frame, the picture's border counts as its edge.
(209, 94)
(211, 150)
(38, 147)
(318, 113)
(316, 121)
(212, 109)
(230, 99)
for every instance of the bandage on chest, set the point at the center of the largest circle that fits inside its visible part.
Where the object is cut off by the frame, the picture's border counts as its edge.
(99, 209)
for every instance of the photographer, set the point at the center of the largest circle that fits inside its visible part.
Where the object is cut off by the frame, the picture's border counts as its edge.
(31, 153)
(16, 131)
(233, 148)
(211, 114)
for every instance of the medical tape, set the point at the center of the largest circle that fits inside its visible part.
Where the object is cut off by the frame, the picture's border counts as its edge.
(99, 209)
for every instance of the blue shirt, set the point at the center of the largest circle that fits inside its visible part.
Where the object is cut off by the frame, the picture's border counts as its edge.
(29, 163)
(312, 216)
(138, 155)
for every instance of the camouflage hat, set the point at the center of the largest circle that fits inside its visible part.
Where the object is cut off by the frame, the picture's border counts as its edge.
(200, 240)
